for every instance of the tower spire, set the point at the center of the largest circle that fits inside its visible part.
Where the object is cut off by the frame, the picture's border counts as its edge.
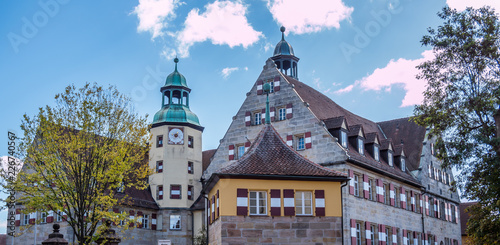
(282, 29)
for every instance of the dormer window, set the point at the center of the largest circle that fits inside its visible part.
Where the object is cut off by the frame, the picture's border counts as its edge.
(343, 138)
(390, 159)
(361, 146)
(376, 153)
(403, 164)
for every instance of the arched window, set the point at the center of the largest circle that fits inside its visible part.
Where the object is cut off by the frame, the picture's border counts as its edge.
(176, 97)
(185, 99)
(166, 97)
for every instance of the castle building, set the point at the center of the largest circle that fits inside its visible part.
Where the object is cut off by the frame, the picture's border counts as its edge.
(311, 173)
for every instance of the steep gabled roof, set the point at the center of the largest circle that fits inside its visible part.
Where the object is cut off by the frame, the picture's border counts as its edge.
(270, 156)
(324, 108)
(206, 158)
(405, 131)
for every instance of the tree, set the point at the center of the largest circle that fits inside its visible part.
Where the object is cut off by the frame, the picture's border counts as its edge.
(459, 107)
(77, 156)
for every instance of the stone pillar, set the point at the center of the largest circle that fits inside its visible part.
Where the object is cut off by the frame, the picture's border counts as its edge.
(55, 238)
(109, 236)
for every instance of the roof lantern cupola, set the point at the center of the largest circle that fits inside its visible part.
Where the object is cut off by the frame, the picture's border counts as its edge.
(285, 58)
(175, 102)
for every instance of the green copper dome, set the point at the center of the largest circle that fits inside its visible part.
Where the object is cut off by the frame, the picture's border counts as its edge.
(283, 47)
(175, 78)
(175, 102)
(176, 114)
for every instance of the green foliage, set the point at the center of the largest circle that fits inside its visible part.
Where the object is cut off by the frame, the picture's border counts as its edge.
(78, 153)
(461, 99)
(483, 223)
(201, 237)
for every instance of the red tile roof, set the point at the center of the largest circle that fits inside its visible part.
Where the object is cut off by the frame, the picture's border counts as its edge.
(269, 155)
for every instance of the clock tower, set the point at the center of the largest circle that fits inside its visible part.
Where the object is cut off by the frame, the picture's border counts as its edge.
(176, 154)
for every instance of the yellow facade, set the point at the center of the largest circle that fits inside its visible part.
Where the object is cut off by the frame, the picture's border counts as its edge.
(227, 193)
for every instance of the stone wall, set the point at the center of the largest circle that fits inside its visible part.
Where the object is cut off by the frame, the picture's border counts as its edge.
(276, 230)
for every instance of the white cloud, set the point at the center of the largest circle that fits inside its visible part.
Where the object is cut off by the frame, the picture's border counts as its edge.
(228, 70)
(168, 53)
(223, 23)
(153, 14)
(344, 90)
(301, 16)
(268, 46)
(460, 5)
(397, 72)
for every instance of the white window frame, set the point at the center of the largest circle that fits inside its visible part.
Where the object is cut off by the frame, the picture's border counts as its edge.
(26, 219)
(43, 217)
(177, 220)
(271, 83)
(300, 203)
(257, 118)
(356, 185)
(59, 216)
(403, 164)
(372, 234)
(358, 234)
(282, 114)
(145, 221)
(257, 196)
(390, 158)
(370, 193)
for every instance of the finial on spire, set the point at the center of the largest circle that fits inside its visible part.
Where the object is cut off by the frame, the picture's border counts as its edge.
(176, 60)
(282, 29)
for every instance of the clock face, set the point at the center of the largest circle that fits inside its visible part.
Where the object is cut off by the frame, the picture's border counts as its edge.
(175, 136)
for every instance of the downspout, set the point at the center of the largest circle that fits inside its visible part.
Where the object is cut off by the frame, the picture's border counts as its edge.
(206, 215)
(342, 209)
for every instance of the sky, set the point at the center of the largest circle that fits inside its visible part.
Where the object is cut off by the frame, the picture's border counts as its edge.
(361, 54)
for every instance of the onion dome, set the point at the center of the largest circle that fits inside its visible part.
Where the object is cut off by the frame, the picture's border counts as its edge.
(176, 78)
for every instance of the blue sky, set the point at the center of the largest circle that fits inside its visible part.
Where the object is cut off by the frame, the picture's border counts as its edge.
(361, 54)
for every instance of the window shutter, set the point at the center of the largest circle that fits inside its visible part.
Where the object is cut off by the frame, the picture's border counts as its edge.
(415, 238)
(289, 140)
(289, 111)
(368, 232)
(131, 214)
(380, 191)
(438, 213)
(160, 192)
(275, 202)
(308, 140)
(248, 118)
(139, 223)
(160, 167)
(32, 218)
(175, 192)
(319, 196)
(272, 113)
(353, 232)
(456, 214)
(365, 186)
(231, 152)
(242, 202)
(259, 87)
(217, 204)
(405, 237)
(18, 217)
(351, 182)
(263, 116)
(276, 84)
(209, 211)
(403, 198)
(50, 216)
(383, 235)
(213, 208)
(288, 202)
(394, 236)
(153, 221)
(392, 194)
(247, 145)
(413, 207)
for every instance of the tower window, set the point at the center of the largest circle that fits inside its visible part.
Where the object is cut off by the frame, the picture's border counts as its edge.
(190, 141)
(176, 97)
(190, 192)
(190, 168)
(159, 141)
(185, 98)
(159, 192)
(272, 86)
(175, 192)
(159, 166)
